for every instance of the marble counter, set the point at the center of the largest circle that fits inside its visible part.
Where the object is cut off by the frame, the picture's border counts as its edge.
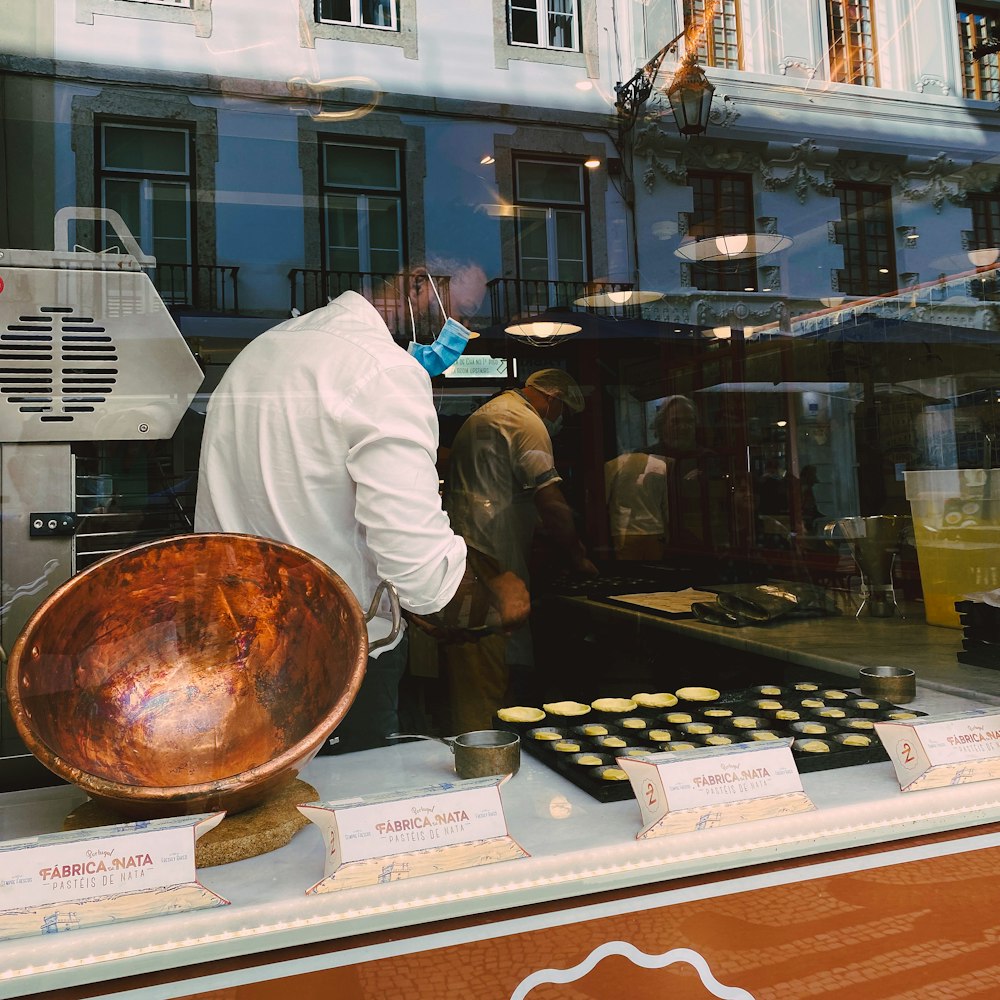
(577, 846)
(840, 644)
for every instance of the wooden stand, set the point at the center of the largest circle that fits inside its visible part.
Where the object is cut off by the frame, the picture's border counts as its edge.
(248, 834)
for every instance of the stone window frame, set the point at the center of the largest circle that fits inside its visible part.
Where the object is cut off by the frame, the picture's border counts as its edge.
(504, 51)
(381, 127)
(123, 105)
(556, 145)
(198, 13)
(311, 29)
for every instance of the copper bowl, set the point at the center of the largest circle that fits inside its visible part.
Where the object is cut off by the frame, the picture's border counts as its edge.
(187, 675)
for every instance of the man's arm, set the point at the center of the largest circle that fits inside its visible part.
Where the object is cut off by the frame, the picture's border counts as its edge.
(486, 601)
(557, 520)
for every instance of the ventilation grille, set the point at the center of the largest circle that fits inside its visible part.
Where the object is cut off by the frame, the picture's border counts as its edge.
(56, 364)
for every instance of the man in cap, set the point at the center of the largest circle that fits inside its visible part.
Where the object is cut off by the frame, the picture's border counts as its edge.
(501, 483)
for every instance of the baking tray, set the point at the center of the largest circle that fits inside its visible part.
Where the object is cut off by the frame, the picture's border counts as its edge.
(741, 702)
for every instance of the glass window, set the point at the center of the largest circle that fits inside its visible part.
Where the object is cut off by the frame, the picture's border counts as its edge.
(851, 35)
(551, 240)
(719, 46)
(361, 13)
(980, 76)
(865, 232)
(145, 176)
(546, 23)
(985, 220)
(723, 206)
(364, 229)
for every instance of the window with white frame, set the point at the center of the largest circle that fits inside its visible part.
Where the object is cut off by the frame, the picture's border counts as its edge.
(359, 13)
(145, 174)
(851, 36)
(552, 231)
(980, 76)
(547, 24)
(362, 208)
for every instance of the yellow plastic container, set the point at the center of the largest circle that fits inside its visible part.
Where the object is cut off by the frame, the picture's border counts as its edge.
(956, 525)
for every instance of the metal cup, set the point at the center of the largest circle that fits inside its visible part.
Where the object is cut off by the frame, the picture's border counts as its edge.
(486, 752)
(895, 684)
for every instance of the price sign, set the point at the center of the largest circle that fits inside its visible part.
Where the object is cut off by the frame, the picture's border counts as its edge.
(403, 834)
(717, 786)
(63, 881)
(943, 750)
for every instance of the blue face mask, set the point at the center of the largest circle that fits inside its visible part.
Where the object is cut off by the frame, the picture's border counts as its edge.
(553, 426)
(447, 348)
(445, 351)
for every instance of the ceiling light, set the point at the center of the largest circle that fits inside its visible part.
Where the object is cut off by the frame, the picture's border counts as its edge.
(487, 159)
(984, 257)
(583, 85)
(592, 163)
(620, 297)
(737, 246)
(542, 333)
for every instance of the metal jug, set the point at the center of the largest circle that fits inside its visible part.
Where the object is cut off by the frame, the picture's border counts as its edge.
(874, 542)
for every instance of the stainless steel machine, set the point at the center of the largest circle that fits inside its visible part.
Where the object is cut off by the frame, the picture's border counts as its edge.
(88, 352)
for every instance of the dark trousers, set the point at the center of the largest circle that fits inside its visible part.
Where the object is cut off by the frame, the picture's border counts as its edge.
(375, 711)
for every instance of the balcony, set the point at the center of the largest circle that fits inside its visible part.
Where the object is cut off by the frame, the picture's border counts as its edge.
(211, 288)
(311, 288)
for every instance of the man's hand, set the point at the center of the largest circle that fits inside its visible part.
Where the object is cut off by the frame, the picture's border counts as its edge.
(510, 604)
(488, 602)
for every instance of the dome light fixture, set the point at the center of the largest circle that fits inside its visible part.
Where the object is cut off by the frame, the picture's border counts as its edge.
(619, 297)
(729, 247)
(984, 256)
(542, 333)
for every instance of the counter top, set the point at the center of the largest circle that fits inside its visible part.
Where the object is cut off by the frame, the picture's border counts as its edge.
(577, 846)
(840, 644)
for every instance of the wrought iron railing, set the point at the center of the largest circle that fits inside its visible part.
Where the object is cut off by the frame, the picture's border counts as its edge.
(512, 298)
(313, 287)
(209, 287)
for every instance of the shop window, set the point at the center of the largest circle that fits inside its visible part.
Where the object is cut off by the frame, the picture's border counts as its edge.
(720, 45)
(723, 206)
(552, 232)
(146, 176)
(549, 24)
(980, 77)
(362, 213)
(851, 35)
(866, 234)
(361, 13)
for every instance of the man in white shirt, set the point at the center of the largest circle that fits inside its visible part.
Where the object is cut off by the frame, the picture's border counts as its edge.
(323, 434)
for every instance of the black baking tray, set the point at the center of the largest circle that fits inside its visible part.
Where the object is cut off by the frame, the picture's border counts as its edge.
(619, 791)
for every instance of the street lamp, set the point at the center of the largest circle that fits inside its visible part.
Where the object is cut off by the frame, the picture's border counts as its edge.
(690, 96)
(689, 93)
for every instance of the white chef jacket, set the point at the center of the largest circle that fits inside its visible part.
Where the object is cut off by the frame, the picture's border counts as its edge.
(323, 434)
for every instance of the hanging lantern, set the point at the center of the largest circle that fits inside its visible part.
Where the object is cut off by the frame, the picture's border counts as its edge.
(690, 96)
